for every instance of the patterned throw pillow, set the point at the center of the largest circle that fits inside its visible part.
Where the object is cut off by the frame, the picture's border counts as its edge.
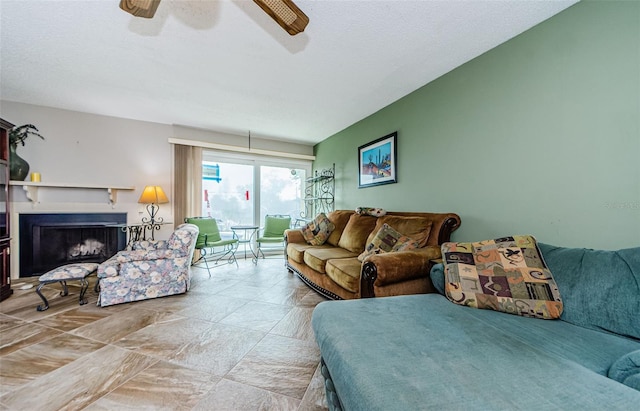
(318, 230)
(506, 274)
(372, 211)
(388, 240)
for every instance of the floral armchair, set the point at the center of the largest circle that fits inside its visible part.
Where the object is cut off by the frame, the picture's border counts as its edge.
(150, 269)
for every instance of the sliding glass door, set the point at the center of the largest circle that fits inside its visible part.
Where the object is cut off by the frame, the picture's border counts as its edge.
(228, 193)
(242, 189)
(281, 191)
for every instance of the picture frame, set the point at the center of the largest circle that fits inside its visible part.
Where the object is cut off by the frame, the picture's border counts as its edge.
(377, 162)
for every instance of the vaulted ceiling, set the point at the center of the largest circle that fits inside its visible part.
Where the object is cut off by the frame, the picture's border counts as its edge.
(225, 65)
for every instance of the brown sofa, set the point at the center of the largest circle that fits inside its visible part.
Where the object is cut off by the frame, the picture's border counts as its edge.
(333, 269)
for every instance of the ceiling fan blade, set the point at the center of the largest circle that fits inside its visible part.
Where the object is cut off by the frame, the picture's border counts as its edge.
(140, 8)
(286, 14)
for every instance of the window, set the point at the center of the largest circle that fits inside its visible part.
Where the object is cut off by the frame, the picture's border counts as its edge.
(243, 189)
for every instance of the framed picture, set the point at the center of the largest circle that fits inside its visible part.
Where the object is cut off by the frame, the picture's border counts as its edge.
(377, 163)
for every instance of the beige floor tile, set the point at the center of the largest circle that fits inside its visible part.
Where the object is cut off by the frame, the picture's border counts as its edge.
(75, 318)
(201, 345)
(163, 386)
(283, 295)
(21, 298)
(279, 364)
(80, 382)
(24, 306)
(296, 324)
(7, 322)
(125, 322)
(233, 396)
(257, 316)
(36, 360)
(242, 290)
(314, 398)
(215, 284)
(206, 306)
(24, 335)
(311, 299)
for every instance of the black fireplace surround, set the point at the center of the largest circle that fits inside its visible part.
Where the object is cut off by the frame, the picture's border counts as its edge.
(48, 241)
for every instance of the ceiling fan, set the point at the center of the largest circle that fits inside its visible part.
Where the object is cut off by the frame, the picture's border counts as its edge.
(284, 12)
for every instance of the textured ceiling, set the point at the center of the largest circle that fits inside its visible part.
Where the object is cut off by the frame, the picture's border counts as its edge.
(226, 66)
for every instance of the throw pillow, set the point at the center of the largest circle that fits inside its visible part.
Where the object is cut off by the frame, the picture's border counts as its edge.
(373, 211)
(388, 240)
(317, 231)
(339, 218)
(355, 233)
(506, 274)
(415, 227)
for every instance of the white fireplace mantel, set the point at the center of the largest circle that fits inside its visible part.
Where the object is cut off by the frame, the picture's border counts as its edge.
(31, 188)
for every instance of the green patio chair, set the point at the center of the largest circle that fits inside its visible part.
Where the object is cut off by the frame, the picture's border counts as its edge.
(211, 246)
(272, 236)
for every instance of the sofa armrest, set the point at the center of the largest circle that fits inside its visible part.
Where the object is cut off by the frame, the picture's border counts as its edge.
(112, 266)
(142, 255)
(389, 268)
(294, 235)
(108, 268)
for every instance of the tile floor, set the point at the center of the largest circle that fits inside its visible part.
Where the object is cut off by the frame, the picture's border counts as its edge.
(240, 340)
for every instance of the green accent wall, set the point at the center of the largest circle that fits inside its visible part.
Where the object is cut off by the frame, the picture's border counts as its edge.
(540, 135)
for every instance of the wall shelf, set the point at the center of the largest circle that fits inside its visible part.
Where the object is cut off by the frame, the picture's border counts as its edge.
(319, 193)
(32, 188)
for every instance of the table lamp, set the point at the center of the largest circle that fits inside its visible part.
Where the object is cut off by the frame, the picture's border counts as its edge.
(152, 196)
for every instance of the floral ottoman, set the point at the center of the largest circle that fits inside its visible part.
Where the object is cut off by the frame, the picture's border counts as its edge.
(69, 272)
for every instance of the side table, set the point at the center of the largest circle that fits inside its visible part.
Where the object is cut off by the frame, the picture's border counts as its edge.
(249, 233)
(140, 231)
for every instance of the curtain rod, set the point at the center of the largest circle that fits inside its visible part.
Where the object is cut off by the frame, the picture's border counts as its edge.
(238, 149)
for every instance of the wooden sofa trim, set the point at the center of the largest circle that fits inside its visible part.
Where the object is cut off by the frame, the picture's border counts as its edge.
(449, 226)
(322, 291)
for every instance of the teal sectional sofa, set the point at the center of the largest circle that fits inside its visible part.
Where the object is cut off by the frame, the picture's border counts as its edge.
(422, 352)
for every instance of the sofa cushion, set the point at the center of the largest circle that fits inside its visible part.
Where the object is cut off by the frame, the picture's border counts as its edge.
(339, 218)
(345, 272)
(626, 370)
(387, 240)
(354, 236)
(600, 289)
(316, 232)
(317, 257)
(506, 274)
(418, 228)
(295, 251)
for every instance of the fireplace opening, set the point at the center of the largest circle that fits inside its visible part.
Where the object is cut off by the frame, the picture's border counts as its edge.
(48, 241)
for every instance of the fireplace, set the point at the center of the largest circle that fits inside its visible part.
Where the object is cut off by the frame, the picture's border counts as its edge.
(48, 241)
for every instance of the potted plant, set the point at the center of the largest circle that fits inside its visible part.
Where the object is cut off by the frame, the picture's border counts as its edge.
(18, 167)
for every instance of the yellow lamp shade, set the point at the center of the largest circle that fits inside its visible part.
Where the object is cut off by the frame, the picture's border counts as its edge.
(153, 195)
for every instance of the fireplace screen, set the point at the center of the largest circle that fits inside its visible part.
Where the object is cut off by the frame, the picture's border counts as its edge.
(48, 241)
(73, 244)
